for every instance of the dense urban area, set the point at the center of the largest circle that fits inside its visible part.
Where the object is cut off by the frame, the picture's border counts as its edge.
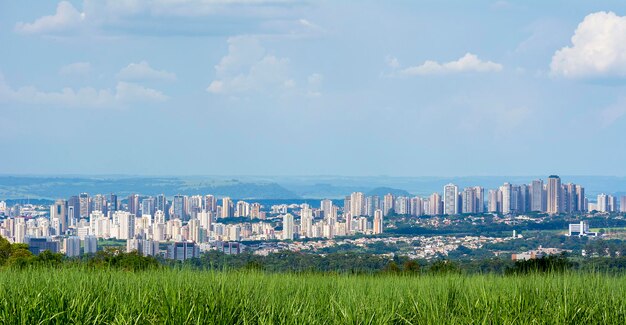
(518, 222)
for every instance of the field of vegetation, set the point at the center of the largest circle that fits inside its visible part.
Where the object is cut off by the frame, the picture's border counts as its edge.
(67, 294)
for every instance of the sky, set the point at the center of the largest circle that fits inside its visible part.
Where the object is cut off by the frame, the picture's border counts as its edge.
(280, 87)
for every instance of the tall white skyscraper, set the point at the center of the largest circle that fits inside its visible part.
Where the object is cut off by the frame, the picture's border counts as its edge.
(357, 204)
(451, 199)
(288, 227)
(306, 221)
(554, 193)
(506, 198)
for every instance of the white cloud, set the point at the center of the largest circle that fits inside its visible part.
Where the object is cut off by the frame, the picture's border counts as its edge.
(248, 68)
(468, 63)
(143, 15)
(82, 97)
(598, 49)
(76, 69)
(143, 71)
(66, 17)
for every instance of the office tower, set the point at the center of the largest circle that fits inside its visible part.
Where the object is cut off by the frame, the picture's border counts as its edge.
(148, 206)
(99, 203)
(326, 206)
(580, 197)
(622, 203)
(288, 227)
(554, 195)
(569, 198)
(306, 221)
(227, 208)
(59, 210)
(133, 204)
(537, 196)
(178, 207)
(84, 204)
(181, 251)
(210, 203)
(388, 202)
(378, 221)
(357, 204)
(90, 244)
(113, 203)
(451, 199)
(72, 246)
(435, 205)
(468, 200)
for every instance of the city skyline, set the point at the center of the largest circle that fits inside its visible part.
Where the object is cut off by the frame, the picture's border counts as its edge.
(312, 88)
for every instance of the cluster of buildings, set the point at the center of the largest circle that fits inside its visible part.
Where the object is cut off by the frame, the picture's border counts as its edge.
(146, 221)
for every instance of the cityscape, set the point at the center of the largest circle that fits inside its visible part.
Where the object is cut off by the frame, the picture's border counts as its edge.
(198, 223)
(312, 162)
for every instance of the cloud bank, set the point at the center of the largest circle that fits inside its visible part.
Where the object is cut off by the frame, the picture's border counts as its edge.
(598, 49)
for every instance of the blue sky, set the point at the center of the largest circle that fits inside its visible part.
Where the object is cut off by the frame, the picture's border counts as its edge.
(254, 87)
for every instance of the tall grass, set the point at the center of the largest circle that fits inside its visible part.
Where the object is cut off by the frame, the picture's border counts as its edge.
(167, 296)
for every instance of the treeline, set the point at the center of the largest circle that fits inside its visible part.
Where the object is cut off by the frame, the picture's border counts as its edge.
(18, 256)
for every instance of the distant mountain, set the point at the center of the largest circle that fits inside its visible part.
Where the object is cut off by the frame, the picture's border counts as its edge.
(20, 187)
(382, 191)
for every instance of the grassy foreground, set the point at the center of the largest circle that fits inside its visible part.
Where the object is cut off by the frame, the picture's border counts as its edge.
(167, 296)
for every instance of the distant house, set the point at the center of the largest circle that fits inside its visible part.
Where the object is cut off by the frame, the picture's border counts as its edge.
(580, 229)
(537, 253)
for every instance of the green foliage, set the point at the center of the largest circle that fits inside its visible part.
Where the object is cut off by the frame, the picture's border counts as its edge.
(78, 295)
(552, 263)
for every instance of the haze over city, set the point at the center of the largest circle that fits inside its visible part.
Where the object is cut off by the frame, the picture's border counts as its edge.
(312, 88)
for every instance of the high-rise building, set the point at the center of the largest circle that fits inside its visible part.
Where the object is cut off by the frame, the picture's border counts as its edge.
(85, 205)
(99, 203)
(622, 203)
(72, 246)
(505, 191)
(554, 195)
(388, 202)
(402, 205)
(357, 204)
(178, 207)
(326, 206)
(451, 199)
(479, 193)
(59, 210)
(492, 201)
(602, 203)
(306, 221)
(181, 251)
(378, 221)
(210, 203)
(537, 196)
(133, 204)
(148, 206)
(580, 197)
(435, 205)
(113, 203)
(287, 227)
(468, 200)
(90, 244)
(227, 208)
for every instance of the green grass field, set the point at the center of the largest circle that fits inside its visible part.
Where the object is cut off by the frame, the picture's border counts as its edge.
(72, 295)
